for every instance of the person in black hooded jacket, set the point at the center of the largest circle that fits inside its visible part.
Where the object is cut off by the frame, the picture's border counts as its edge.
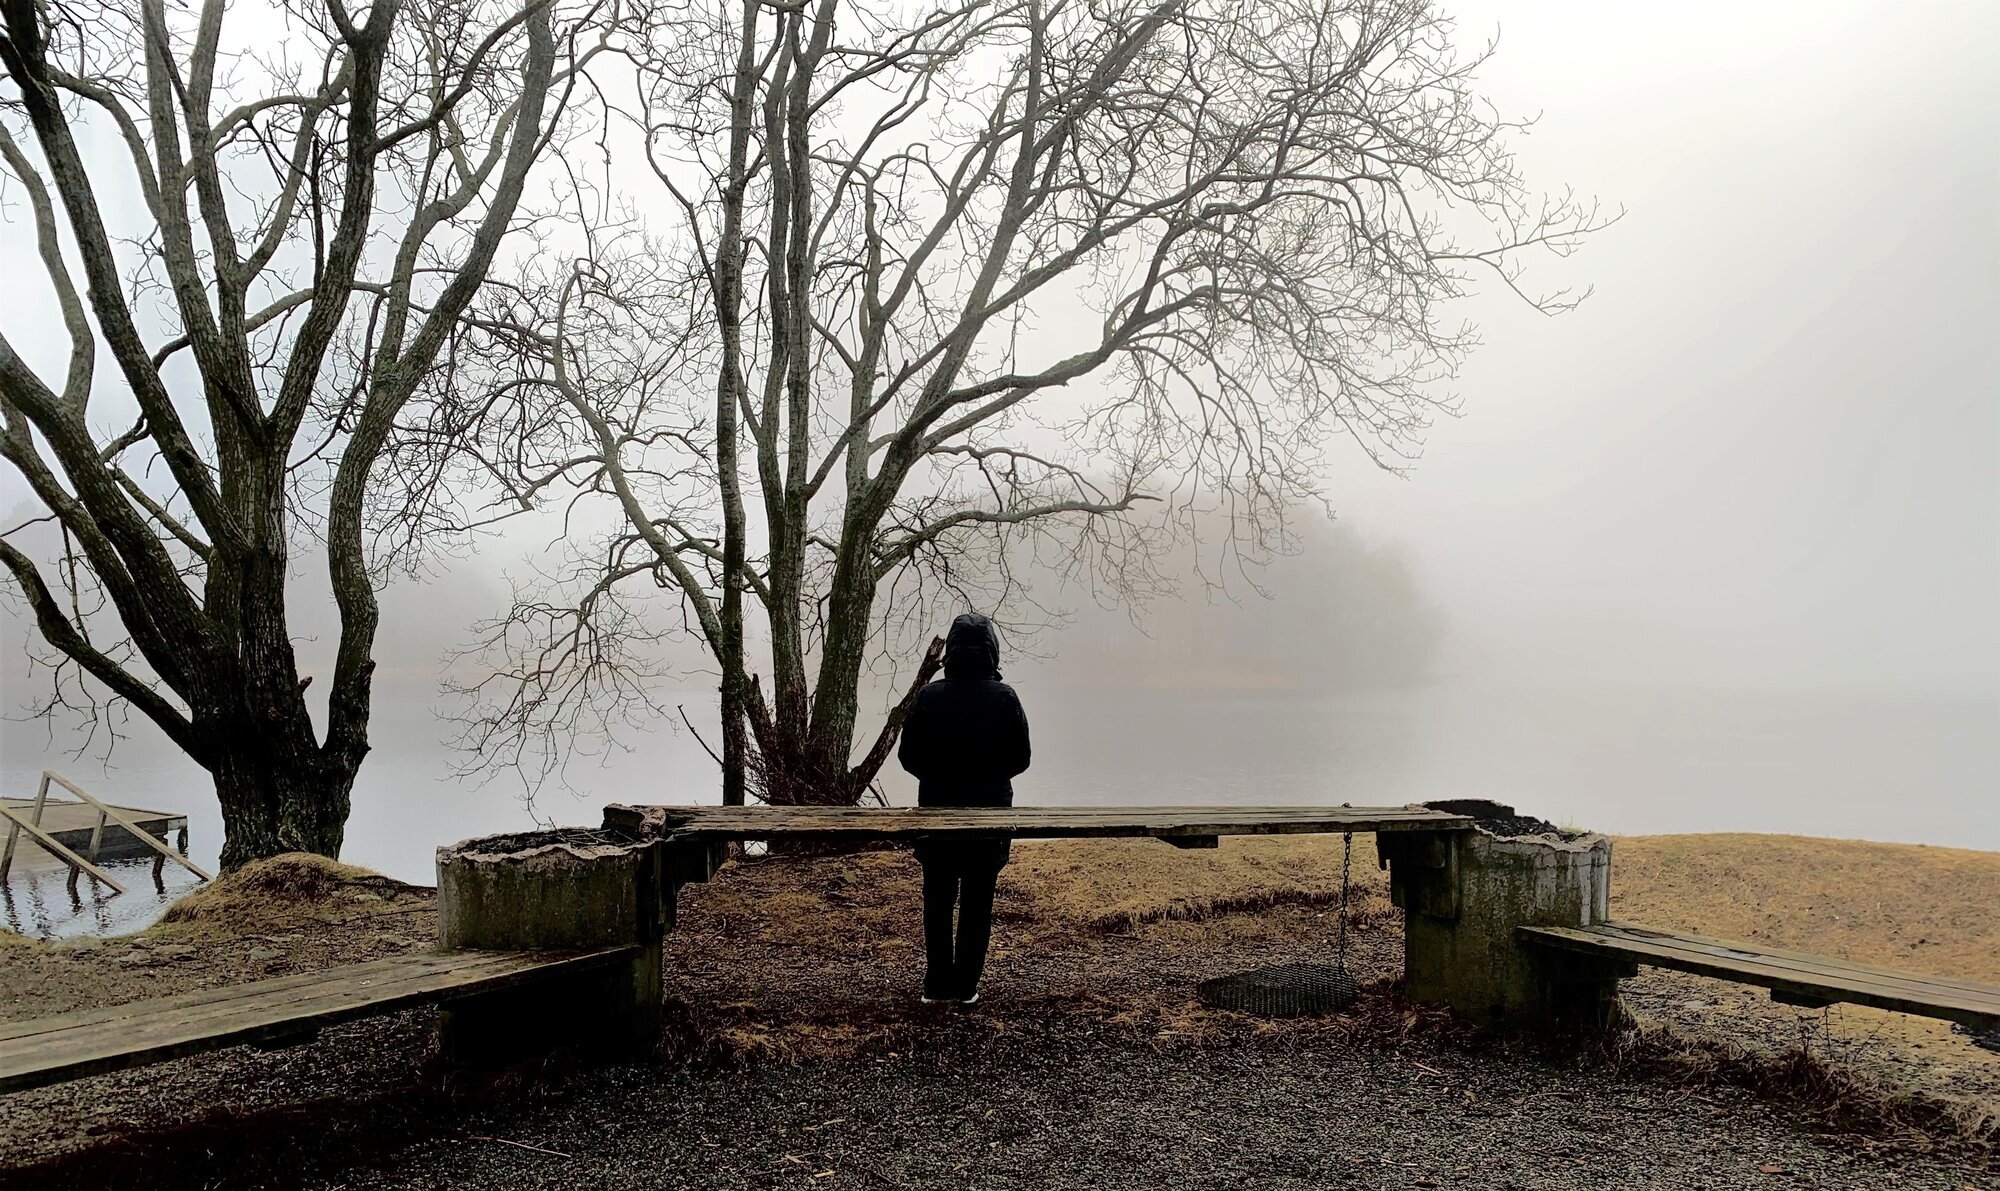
(965, 740)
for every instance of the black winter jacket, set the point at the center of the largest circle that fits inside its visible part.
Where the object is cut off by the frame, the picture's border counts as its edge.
(966, 736)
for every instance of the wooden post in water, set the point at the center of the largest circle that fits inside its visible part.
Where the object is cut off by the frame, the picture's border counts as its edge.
(564, 890)
(14, 828)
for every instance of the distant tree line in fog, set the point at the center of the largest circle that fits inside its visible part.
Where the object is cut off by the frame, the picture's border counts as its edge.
(1334, 613)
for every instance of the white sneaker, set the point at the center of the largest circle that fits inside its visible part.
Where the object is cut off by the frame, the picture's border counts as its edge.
(971, 1000)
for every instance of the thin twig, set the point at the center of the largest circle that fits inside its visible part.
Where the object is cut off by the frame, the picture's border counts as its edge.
(682, 708)
(520, 1145)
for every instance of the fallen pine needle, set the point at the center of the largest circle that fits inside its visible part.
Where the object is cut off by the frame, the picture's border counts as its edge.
(520, 1145)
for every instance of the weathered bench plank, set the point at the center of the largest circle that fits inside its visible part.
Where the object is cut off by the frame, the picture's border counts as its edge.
(89, 1042)
(1791, 975)
(697, 823)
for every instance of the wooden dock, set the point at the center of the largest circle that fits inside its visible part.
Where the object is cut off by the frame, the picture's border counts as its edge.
(71, 823)
(114, 832)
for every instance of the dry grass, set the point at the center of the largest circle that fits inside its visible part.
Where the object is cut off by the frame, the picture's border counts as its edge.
(1114, 886)
(810, 959)
(1054, 891)
(279, 890)
(1092, 929)
(1900, 905)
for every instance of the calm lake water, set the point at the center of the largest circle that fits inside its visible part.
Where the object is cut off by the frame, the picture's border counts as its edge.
(1625, 760)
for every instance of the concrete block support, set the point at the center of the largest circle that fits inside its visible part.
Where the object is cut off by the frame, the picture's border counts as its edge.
(563, 890)
(1464, 893)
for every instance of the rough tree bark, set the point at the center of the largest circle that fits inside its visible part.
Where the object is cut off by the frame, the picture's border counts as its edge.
(308, 316)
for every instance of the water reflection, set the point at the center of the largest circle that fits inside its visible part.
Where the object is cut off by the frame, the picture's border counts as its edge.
(45, 902)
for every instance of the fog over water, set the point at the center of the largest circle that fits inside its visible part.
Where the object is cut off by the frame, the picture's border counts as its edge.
(1720, 551)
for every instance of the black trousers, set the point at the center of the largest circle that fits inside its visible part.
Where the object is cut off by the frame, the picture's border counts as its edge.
(965, 879)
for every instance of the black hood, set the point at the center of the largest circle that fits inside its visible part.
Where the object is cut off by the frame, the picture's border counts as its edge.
(972, 648)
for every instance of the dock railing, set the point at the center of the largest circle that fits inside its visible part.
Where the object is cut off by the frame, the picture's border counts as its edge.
(80, 865)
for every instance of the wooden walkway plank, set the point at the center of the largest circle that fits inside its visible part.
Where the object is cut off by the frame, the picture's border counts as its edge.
(66, 816)
(1807, 967)
(1813, 978)
(92, 1042)
(1774, 954)
(1738, 959)
(1020, 822)
(282, 1012)
(370, 970)
(1668, 949)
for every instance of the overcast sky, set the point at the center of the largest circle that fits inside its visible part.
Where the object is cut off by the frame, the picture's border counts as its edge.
(1765, 457)
(1767, 452)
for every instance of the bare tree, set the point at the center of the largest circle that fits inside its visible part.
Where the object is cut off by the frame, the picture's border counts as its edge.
(950, 283)
(321, 196)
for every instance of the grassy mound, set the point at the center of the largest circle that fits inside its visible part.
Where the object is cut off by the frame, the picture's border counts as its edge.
(289, 886)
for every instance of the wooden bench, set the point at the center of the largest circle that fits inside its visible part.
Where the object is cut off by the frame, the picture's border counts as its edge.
(286, 1009)
(1182, 826)
(1794, 978)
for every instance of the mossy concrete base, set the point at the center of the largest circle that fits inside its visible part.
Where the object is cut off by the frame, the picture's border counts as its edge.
(1464, 893)
(554, 891)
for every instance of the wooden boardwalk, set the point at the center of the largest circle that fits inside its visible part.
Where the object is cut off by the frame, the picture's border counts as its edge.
(77, 834)
(74, 824)
(1793, 977)
(62, 819)
(1189, 825)
(52, 1049)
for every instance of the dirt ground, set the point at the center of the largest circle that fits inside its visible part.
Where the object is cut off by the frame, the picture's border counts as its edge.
(1072, 1107)
(792, 983)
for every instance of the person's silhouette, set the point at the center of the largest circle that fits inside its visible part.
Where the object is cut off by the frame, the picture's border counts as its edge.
(964, 741)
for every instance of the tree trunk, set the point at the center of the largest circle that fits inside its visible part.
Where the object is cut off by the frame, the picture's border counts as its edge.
(813, 765)
(274, 799)
(850, 610)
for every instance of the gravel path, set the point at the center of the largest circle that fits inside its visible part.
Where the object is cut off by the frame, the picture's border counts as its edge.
(1100, 1110)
